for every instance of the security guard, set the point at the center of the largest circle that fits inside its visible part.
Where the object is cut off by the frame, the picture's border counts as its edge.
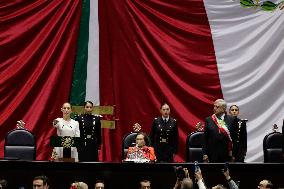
(164, 135)
(90, 133)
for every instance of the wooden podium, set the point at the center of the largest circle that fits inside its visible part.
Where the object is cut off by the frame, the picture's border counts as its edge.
(66, 142)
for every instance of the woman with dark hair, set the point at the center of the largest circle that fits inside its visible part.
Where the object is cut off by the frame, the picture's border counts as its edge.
(140, 152)
(90, 129)
(238, 135)
(66, 127)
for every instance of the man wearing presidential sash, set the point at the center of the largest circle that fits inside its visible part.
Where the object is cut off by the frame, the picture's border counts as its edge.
(218, 142)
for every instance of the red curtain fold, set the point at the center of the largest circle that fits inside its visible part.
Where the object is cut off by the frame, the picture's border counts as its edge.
(37, 46)
(151, 51)
(154, 51)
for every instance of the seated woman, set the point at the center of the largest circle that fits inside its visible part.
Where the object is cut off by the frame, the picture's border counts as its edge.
(140, 153)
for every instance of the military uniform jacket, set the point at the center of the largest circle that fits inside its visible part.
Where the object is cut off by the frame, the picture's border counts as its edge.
(164, 138)
(239, 137)
(90, 129)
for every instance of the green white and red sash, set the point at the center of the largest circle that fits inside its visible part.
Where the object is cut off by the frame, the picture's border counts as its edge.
(222, 127)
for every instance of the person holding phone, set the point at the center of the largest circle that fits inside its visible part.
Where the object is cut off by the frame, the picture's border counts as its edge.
(183, 180)
(231, 182)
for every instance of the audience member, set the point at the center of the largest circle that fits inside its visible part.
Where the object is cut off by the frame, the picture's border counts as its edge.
(66, 127)
(201, 185)
(238, 135)
(218, 142)
(145, 184)
(265, 184)
(3, 184)
(183, 180)
(140, 152)
(164, 135)
(90, 130)
(40, 182)
(99, 184)
(79, 185)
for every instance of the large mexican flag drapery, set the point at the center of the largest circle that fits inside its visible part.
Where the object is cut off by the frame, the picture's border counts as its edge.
(136, 54)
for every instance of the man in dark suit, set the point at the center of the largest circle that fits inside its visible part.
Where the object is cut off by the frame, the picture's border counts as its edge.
(218, 143)
(164, 135)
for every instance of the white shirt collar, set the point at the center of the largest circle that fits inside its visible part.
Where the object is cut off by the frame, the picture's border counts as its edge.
(166, 118)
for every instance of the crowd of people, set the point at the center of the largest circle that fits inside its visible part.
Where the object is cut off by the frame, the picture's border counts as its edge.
(183, 181)
(198, 182)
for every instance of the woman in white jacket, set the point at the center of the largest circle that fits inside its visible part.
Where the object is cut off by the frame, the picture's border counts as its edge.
(66, 127)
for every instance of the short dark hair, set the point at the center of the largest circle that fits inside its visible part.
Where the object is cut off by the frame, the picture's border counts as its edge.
(146, 138)
(145, 180)
(233, 106)
(67, 103)
(164, 103)
(99, 181)
(44, 179)
(88, 101)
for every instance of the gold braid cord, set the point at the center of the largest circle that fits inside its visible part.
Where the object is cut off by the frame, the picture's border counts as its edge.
(67, 142)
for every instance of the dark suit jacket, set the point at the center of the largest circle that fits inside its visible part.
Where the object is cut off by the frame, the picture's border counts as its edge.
(164, 138)
(216, 144)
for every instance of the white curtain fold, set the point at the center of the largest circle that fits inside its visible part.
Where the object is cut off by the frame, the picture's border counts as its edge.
(249, 48)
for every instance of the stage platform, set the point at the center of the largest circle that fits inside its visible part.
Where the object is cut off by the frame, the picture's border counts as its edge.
(128, 175)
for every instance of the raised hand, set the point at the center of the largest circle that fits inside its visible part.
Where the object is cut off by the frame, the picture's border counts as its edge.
(199, 126)
(20, 124)
(55, 122)
(136, 127)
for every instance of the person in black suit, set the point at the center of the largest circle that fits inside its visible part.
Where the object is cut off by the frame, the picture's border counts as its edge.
(164, 135)
(90, 129)
(239, 135)
(218, 143)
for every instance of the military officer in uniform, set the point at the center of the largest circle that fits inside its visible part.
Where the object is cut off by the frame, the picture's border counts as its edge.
(239, 135)
(90, 129)
(164, 135)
